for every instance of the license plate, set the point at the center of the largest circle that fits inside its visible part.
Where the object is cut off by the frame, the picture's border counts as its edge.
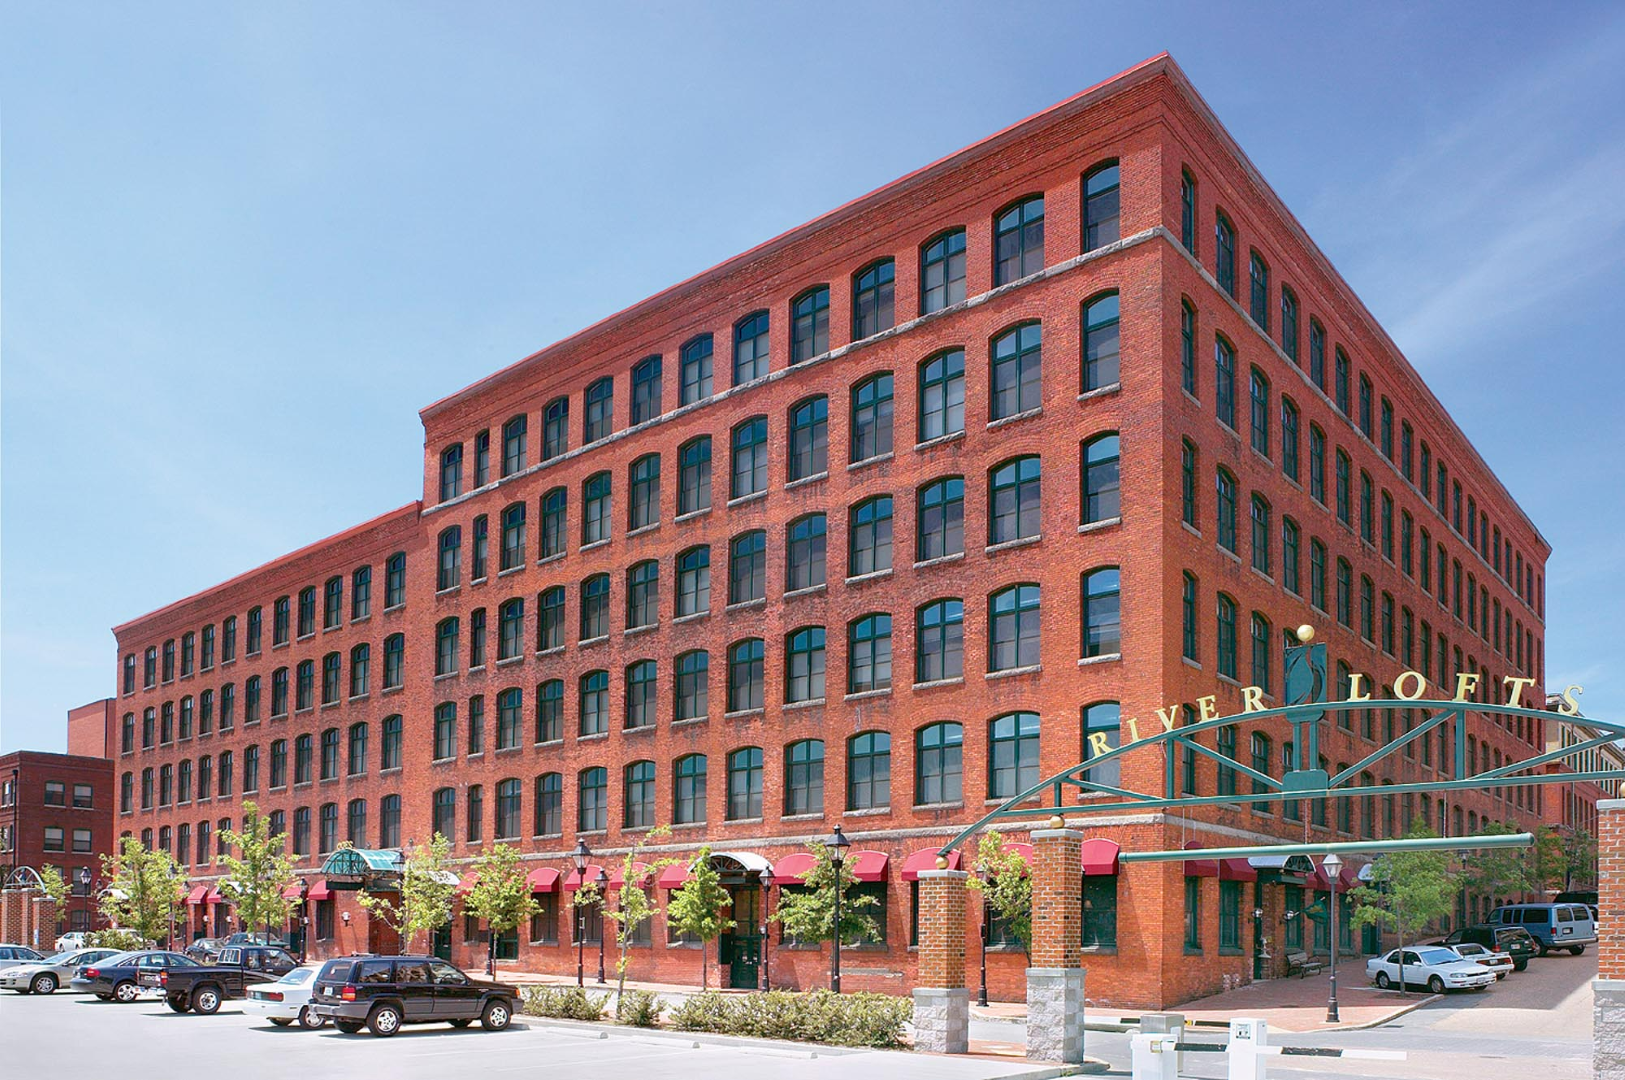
(148, 978)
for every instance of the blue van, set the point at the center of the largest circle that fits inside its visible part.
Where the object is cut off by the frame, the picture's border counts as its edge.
(1553, 926)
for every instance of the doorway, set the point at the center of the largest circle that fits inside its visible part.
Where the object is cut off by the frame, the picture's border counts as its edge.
(745, 944)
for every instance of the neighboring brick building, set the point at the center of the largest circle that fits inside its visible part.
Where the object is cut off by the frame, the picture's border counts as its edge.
(56, 809)
(1050, 434)
(1571, 806)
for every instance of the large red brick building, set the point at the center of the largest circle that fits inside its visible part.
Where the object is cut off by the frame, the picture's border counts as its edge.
(875, 524)
(55, 810)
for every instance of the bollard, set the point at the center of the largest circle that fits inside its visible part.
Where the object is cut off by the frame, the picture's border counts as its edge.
(1166, 1024)
(1154, 1057)
(1248, 1049)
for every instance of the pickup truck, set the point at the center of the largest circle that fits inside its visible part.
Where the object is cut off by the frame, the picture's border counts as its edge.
(201, 989)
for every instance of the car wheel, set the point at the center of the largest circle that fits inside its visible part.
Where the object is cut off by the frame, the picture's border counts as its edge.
(124, 992)
(496, 1016)
(178, 1004)
(1435, 985)
(1540, 948)
(104, 997)
(1578, 950)
(310, 1020)
(1499, 975)
(460, 1023)
(349, 1027)
(206, 1001)
(280, 1021)
(1383, 981)
(384, 1021)
(1520, 965)
(44, 983)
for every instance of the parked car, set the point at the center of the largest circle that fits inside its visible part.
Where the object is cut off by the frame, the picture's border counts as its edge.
(20, 953)
(1498, 962)
(384, 992)
(1433, 966)
(286, 1000)
(202, 987)
(206, 950)
(243, 937)
(115, 977)
(73, 939)
(44, 976)
(1512, 940)
(1553, 926)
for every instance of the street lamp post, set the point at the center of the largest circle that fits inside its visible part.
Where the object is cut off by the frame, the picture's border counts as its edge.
(837, 844)
(766, 879)
(1332, 866)
(602, 881)
(580, 856)
(987, 926)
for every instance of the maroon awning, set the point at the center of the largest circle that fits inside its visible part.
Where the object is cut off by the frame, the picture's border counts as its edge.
(869, 865)
(214, 896)
(319, 891)
(294, 891)
(926, 859)
(1100, 857)
(543, 879)
(793, 867)
(197, 894)
(1199, 867)
(1236, 870)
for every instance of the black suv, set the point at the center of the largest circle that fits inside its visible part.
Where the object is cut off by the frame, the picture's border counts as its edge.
(384, 992)
(1515, 941)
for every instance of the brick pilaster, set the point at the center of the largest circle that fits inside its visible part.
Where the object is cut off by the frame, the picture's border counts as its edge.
(1057, 898)
(942, 929)
(1611, 888)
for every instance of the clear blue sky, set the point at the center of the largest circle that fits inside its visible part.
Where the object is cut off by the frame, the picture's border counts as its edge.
(243, 244)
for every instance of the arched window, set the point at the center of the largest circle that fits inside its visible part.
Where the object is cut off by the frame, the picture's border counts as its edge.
(939, 641)
(595, 498)
(809, 324)
(942, 271)
(749, 458)
(745, 784)
(1100, 206)
(1224, 252)
(1258, 396)
(1101, 496)
(868, 771)
(394, 661)
(804, 665)
(942, 395)
(694, 476)
(747, 567)
(688, 790)
(510, 716)
(550, 711)
(1263, 646)
(643, 594)
(555, 428)
(1261, 761)
(872, 295)
(332, 668)
(809, 438)
(639, 795)
(513, 445)
(805, 553)
(1225, 495)
(644, 505)
(1013, 501)
(745, 675)
(939, 764)
(1259, 292)
(1016, 371)
(592, 800)
(1262, 534)
(872, 417)
(1102, 732)
(360, 669)
(1224, 381)
(549, 809)
(511, 628)
(640, 694)
(594, 703)
(694, 581)
(1226, 608)
(1013, 628)
(599, 418)
(693, 685)
(513, 536)
(595, 607)
(646, 386)
(1101, 343)
(448, 574)
(868, 664)
(804, 777)
(445, 812)
(1012, 754)
(940, 519)
(750, 348)
(451, 472)
(1102, 615)
(869, 537)
(1018, 240)
(695, 359)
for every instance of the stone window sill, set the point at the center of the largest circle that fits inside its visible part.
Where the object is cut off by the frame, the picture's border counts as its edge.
(1031, 669)
(940, 440)
(599, 640)
(584, 548)
(653, 526)
(696, 617)
(878, 459)
(594, 737)
(1016, 418)
(692, 515)
(1007, 545)
(634, 631)
(864, 695)
(743, 713)
(804, 481)
(755, 496)
(1101, 391)
(808, 704)
(1103, 658)
(873, 575)
(808, 591)
(939, 560)
(1097, 526)
(935, 683)
(760, 601)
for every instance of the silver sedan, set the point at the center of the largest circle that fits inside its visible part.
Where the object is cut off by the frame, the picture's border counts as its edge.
(44, 976)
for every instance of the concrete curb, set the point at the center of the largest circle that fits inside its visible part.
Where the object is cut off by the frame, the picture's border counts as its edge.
(586, 1029)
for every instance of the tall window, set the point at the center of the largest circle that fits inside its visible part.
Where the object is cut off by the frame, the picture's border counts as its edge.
(688, 794)
(482, 458)
(1224, 382)
(1188, 484)
(872, 291)
(510, 716)
(1224, 252)
(451, 472)
(809, 324)
(804, 777)
(445, 813)
(513, 536)
(595, 501)
(939, 764)
(1317, 464)
(694, 581)
(390, 750)
(1013, 497)
(939, 641)
(513, 445)
(872, 417)
(942, 272)
(1102, 619)
(643, 594)
(1187, 210)
(1345, 511)
(479, 548)
(868, 654)
(595, 607)
(695, 358)
(594, 703)
(745, 784)
(1188, 604)
(1100, 206)
(804, 665)
(1259, 399)
(1101, 496)
(1289, 323)
(360, 665)
(1226, 498)
(555, 428)
(868, 771)
(1013, 637)
(750, 348)
(550, 711)
(1291, 543)
(1289, 438)
(646, 387)
(640, 694)
(1263, 646)
(749, 458)
(692, 699)
(745, 675)
(941, 519)
(599, 417)
(592, 799)
(395, 580)
(511, 628)
(644, 505)
(1261, 534)
(1226, 608)
(1101, 342)
(942, 395)
(1102, 733)
(1259, 295)
(809, 438)
(869, 537)
(1018, 241)
(1017, 371)
(553, 515)
(1317, 353)
(1187, 347)
(360, 597)
(1012, 754)
(307, 626)
(805, 565)
(639, 795)
(694, 476)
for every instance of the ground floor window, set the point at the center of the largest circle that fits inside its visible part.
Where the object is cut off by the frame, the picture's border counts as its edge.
(1099, 912)
(875, 911)
(1193, 914)
(1322, 922)
(586, 924)
(544, 924)
(324, 920)
(507, 944)
(914, 913)
(1229, 916)
(1292, 934)
(471, 928)
(79, 919)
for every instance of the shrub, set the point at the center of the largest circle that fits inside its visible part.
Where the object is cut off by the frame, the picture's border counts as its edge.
(873, 1020)
(564, 1003)
(115, 939)
(640, 1008)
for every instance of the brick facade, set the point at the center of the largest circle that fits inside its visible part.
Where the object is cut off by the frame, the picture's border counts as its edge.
(57, 810)
(1153, 125)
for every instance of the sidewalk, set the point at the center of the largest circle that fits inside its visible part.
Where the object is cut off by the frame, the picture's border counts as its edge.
(1285, 1004)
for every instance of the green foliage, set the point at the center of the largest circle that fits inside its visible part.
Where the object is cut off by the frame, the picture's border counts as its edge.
(807, 912)
(564, 1003)
(1408, 890)
(696, 908)
(634, 907)
(427, 888)
(640, 1008)
(1579, 857)
(54, 885)
(873, 1020)
(1005, 882)
(1501, 871)
(501, 893)
(122, 940)
(143, 889)
(256, 874)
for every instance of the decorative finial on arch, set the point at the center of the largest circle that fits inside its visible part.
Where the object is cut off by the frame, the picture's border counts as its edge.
(1306, 633)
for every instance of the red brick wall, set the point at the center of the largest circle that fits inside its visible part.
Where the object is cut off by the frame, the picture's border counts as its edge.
(1610, 889)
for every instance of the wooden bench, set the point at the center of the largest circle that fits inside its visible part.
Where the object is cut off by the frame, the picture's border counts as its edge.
(1299, 964)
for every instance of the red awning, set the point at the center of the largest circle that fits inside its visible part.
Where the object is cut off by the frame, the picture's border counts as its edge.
(543, 879)
(869, 865)
(197, 894)
(1199, 867)
(926, 859)
(466, 885)
(1100, 857)
(1236, 870)
(674, 877)
(573, 881)
(1348, 879)
(793, 867)
(319, 891)
(292, 892)
(214, 896)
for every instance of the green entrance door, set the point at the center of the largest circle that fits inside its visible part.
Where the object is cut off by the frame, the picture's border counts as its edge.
(745, 961)
(440, 943)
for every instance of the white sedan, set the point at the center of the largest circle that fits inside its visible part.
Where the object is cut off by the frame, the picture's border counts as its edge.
(286, 1000)
(1498, 962)
(1433, 966)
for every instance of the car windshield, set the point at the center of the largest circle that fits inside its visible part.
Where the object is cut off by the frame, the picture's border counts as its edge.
(62, 957)
(1437, 956)
(299, 976)
(119, 959)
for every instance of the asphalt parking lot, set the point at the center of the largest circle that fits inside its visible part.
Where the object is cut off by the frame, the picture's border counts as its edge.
(45, 1036)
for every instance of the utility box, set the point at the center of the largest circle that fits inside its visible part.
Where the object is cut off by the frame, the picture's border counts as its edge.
(1153, 1057)
(1166, 1024)
(1248, 1049)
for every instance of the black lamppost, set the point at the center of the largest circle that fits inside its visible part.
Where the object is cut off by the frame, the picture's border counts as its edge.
(1332, 866)
(602, 881)
(83, 877)
(766, 879)
(987, 927)
(837, 844)
(580, 855)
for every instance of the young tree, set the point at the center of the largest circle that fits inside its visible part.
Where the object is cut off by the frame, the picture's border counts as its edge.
(1499, 871)
(1548, 861)
(1005, 881)
(500, 895)
(142, 891)
(807, 912)
(1579, 858)
(55, 888)
(633, 905)
(256, 870)
(427, 888)
(1408, 891)
(696, 908)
